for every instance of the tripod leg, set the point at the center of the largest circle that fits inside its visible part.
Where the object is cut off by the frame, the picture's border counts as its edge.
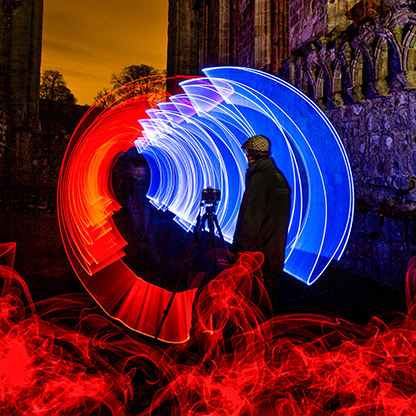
(185, 266)
(224, 244)
(212, 244)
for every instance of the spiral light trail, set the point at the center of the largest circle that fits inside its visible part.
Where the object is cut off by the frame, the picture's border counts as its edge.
(191, 142)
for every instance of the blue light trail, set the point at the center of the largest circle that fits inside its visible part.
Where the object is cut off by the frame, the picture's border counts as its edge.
(194, 141)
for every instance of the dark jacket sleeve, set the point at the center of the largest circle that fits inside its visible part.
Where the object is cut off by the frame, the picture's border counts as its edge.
(251, 216)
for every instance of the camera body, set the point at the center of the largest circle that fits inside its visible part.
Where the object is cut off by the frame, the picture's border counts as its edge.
(211, 195)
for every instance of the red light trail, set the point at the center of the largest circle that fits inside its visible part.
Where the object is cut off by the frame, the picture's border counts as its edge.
(60, 356)
(86, 203)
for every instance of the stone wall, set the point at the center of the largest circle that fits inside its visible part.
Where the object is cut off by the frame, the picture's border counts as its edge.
(252, 33)
(20, 55)
(369, 61)
(338, 14)
(357, 61)
(363, 75)
(380, 138)
(308, 20)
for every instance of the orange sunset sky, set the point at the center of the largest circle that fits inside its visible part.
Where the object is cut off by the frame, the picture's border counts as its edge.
(89, 40)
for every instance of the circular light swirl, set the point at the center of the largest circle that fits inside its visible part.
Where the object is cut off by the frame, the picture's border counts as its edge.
(191, 142)
(201, 133)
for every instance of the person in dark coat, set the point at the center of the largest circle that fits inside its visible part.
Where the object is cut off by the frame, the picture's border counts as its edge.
(264, 213)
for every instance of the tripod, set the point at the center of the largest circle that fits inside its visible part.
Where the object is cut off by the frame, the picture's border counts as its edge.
(210, 217)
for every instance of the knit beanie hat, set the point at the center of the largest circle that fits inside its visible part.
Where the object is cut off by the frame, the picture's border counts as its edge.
(257, 143)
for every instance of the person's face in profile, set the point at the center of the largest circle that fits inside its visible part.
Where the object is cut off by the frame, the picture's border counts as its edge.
(250, 157)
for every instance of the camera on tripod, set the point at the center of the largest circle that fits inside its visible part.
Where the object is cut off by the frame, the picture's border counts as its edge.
(208, 200)
(210, 195)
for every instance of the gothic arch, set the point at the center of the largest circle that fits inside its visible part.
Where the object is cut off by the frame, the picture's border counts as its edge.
(388, 60)
(408, 42)
(324, 92)
(341, 82)
(362, 64)
(309, 81)
(409, 54)
(362, 70)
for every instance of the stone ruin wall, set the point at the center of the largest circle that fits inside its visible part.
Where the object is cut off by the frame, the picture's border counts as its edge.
(250, 33)
(312, 19)
(20, 55)
(362, 74)
(380, 138)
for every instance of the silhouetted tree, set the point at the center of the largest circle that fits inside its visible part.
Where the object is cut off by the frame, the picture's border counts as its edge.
(58, 115)
(53, 87)
(134, 73)
(104, 97)
(58, 111)
(140, 81)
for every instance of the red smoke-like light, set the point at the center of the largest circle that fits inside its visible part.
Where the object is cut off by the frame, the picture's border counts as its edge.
(49, 369)
(62, 357)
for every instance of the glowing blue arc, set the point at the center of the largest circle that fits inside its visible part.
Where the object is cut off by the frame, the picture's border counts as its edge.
(194, 142)
(330, 184)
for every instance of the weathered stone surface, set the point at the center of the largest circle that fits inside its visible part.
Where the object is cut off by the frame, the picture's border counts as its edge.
(251, 33)
(351, 63)
(379, 135)
(380, 141)
(20, 54)
(373, 107)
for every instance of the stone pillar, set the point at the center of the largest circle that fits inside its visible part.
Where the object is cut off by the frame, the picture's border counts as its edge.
(271, 34)
(280, 34)
(212, 34)
(21, 37)
(6, 14)
(185, 40)
(263, 32)
(245, 41)
(179, 33)
(224, 35)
